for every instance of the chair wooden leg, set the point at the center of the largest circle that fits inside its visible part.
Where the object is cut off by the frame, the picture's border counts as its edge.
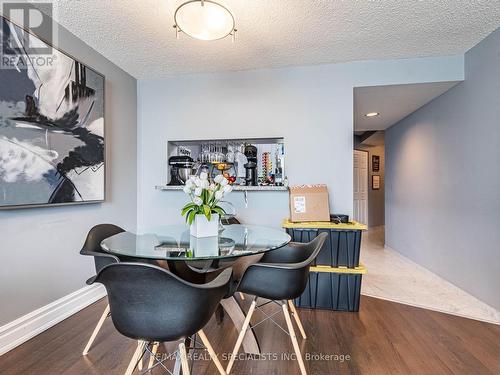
(139, 364)
(96, 330)
(211, 351)
(242, 296)
(137, 354)
(296, 316)
(152, 356)
(234, 311)
(294, 339)
(184, 361)
(244, 328)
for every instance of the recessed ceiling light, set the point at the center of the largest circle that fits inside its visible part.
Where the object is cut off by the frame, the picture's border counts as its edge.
(204, 20)
(372, 114)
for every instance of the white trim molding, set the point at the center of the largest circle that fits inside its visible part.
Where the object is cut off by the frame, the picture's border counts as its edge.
(28, 326)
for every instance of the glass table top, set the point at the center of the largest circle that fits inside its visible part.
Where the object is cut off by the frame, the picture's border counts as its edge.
(174, 242)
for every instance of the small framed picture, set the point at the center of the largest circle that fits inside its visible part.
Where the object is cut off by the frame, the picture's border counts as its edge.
(375, 163)
(376, 182)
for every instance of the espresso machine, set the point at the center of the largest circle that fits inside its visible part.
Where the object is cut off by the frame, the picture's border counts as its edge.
(181, 167)
(251, 165)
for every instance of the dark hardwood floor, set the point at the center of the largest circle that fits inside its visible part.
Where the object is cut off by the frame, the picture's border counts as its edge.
(383, 338)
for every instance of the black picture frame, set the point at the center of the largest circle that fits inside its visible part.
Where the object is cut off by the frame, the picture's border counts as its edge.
(375, 163)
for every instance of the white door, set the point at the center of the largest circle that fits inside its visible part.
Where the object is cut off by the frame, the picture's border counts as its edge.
(361, 186)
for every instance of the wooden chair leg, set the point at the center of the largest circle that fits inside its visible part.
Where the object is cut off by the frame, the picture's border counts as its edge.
(294, 339)
(137, 354)
(296, 316)
(211, 351)
(152, 356)
(237, 316)
(184, 361)
(139, 364)
(96, 330)
(244, 328)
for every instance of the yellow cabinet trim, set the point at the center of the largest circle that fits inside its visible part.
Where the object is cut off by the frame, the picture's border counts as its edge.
(361, 270)
(352, 225)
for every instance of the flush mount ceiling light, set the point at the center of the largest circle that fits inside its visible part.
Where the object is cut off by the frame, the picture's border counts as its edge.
(372, 114)
(204, 20)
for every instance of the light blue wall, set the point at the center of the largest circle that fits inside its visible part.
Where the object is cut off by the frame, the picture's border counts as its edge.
(312, 107)
(39, 259)
(443, 179)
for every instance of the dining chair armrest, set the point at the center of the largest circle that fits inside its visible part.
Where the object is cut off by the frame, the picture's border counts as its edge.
(290, 253)
(283, 266)
(99, 254)
(272, 265)
(91, 280)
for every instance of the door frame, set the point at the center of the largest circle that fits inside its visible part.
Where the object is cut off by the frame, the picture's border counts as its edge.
(367, 183)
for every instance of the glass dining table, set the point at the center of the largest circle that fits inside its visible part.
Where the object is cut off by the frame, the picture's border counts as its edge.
(195, 259)
(174, 243)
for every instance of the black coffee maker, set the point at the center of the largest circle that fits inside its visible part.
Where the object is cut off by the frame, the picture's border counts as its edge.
(251, 165)
(251, 173)
(181, 167)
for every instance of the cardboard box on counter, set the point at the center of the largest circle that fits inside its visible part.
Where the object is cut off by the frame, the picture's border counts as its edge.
(309, 203)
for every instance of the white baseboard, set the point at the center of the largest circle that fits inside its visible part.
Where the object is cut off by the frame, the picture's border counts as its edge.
(26, 327)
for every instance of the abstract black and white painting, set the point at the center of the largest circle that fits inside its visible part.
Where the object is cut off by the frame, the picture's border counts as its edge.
(51, 127)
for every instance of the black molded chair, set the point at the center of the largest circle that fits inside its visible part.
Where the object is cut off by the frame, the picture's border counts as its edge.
(92, 247)
(152, 305)
(278, 277)
(294, 252)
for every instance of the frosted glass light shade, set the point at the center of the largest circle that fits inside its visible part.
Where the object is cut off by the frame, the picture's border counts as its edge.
(204, 20)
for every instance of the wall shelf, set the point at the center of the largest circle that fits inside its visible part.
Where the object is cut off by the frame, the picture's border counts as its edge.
(270, 158)
(235, 188)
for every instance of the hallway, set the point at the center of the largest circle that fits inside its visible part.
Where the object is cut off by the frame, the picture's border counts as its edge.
(394, 277)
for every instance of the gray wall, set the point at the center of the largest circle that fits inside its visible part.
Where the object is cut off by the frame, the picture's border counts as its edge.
(376, 198)
(312, 107)
(39, 260)
(443, 179)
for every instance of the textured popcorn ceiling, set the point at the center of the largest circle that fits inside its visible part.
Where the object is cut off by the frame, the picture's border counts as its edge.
(137, 35)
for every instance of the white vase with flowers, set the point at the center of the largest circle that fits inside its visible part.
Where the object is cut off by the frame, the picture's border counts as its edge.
(203, 212)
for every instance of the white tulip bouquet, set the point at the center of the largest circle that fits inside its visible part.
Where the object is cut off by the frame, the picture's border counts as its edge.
(205, 196)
